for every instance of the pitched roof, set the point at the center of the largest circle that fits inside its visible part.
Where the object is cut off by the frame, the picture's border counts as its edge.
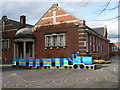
(17, 24)
(115, 43)
(99, 30)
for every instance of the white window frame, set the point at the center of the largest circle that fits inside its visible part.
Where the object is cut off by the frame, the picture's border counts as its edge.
(63, 39)
(57, 42)
(46, 40)
(8, 44)
(114, 48)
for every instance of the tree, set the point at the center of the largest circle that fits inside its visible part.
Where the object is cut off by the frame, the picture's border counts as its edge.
(109, 9)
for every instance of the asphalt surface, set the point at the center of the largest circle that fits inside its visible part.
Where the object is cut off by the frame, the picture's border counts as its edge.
(106, 76)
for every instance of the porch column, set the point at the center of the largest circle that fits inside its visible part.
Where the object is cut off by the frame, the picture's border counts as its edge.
(24, 49)
(17, 50)
(33, 50)
(14, 50)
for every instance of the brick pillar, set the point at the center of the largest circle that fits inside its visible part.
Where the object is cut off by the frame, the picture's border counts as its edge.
(82, 38)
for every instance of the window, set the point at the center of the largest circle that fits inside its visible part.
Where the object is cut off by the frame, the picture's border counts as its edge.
(5, 44)
(114, 48)
(97, 44)
(93, 43)
(48, 41)
(55, 40)
(61, 42)
(118, 47)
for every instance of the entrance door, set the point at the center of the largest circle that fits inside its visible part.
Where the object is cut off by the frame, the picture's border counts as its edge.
(20, 50)
(27, 52)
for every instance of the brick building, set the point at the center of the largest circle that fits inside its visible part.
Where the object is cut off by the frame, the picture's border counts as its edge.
(8, 30)
(57, 34)
(115, 48)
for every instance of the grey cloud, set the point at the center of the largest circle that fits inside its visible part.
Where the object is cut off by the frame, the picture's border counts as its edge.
(33, 10)
(114, 36)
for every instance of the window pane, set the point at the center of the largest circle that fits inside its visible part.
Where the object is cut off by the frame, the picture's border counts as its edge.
(61, 40)
(54, 40)
(2, 44)
(49, 41)
(5, 44)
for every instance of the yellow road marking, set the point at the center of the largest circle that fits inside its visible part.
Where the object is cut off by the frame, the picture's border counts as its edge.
(13, 74)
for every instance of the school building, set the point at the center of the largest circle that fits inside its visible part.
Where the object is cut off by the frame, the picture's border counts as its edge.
(57, 34)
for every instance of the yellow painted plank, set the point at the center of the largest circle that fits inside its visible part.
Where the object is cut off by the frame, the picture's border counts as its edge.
(37, 62)
(46, 62)
(22, 62)
(65, 61)
(57, 65)
(57, 62)
(30, 62)
(46, 65)
(89, 65)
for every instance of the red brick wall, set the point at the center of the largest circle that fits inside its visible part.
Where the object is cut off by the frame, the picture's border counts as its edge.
(60, 12)
(49, 13)
(65, 18)
(45, 21)
(8, 54)
(71, 41)
(103, 49)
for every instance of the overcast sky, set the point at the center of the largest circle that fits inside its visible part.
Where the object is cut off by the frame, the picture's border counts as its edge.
(84, 10)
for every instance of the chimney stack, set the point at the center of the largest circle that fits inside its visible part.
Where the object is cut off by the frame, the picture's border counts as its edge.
(4, 18)
(54, 7)
(22, 21)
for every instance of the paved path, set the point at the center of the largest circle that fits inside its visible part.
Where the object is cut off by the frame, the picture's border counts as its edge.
(105, 77)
